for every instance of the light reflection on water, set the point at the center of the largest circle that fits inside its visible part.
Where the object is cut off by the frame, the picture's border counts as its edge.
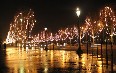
(41, 61)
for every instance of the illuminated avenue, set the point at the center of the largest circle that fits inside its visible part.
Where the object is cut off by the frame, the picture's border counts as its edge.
(96, 30)
(87, 46)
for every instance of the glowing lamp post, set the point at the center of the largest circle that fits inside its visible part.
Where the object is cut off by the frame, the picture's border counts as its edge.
(79, 51)
(45, 38)
(78, 12)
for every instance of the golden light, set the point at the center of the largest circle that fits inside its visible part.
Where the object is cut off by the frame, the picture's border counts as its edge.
(99, 24)
(21, 20)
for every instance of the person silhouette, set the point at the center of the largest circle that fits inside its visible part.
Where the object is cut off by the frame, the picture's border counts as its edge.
(4, 45)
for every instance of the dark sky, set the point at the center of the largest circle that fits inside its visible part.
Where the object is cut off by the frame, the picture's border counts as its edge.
(52, 14)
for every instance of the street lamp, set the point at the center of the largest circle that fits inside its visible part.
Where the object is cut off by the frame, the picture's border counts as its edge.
(46, 38)
(21, 31)
(78, 12)
(79, 51)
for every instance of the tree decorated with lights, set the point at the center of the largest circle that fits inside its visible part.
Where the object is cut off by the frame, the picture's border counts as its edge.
(21, 27)
(108, 22)
(92, 29)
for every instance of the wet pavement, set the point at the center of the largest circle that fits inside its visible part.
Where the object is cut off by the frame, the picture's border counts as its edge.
(19, 60)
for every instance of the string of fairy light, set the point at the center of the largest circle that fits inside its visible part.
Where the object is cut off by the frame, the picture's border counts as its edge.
(92, 28)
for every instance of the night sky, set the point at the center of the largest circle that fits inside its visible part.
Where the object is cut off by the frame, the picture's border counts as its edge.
(53, 14)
